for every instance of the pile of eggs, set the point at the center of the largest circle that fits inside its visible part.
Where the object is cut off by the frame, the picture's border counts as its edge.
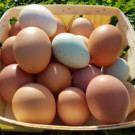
(73, 72)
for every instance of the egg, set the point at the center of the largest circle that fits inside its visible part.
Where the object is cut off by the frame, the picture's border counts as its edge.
(105, 45)
(1, 63)
(119, 69)
(15, 29)
(108, 99)
(32, 49)
(38, 16)
(7, 51)
(34, 103)
(131, 91)
(12, 77)
(70, 50)
(72, 107)
(81, 26)
(61, 28)
(56, 77)
(84, 39)
(82, 77)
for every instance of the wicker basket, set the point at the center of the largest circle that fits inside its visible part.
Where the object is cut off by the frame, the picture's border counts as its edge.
(98, 15)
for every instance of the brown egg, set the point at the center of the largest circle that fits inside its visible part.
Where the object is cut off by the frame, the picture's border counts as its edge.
(32, 49)
(15, 29)
(72, 107)
(131, 91)
(105, 45)
(12, 77)
(34, 103)
(7, 51)
(82, 77)
(61, 28)
(84, 39)
(1, 63)
(56, 77)
(108, 99)
(81, 26)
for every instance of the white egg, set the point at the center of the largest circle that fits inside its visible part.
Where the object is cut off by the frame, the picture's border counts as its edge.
(38, 16)
(70, 50)
(119, 69)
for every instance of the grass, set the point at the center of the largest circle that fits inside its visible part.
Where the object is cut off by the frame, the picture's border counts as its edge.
(127, 6)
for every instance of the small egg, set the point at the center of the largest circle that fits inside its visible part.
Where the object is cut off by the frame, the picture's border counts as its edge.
(119, 69)
(131, 91)
(32, 49)
(105, 45)
(84, 39)
(56, 77)
(108, 99)
(38, 16)
(81, 26)
(34, 103)
(70, 50)
(15, 29)
(7, 51)
(12, 77)
(82, 77)
(72, 107)
(61, 28)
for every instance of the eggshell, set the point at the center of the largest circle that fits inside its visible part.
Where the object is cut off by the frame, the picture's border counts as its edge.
(70, 50)
(105, 45)
(34, 103)
(119, 69)
(15, 29)
(38, 16)
(32, 49)
(12, 77)
(131, 91)
(61, 28)
(108, 99)
(56, 77)
(82, 77)
(81, 26)
(72, 107)
(7, 51)
(84, 39)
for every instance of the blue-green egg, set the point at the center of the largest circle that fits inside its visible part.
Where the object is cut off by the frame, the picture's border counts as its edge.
(119, 69)
(70, 50)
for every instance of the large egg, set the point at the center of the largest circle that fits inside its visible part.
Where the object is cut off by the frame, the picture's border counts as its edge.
(7, 51)
(15, 29)
(72, 107)
(108, 99)
(12, 77)
(119, 69)
(131, 91)
(81, 26)
(82, 77)
(34, 103)
(56, 77)
(38, 16)
(32, 49)
(70, 50)
(105, 45)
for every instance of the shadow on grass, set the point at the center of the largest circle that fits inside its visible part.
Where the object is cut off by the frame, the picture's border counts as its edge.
(126, 131)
